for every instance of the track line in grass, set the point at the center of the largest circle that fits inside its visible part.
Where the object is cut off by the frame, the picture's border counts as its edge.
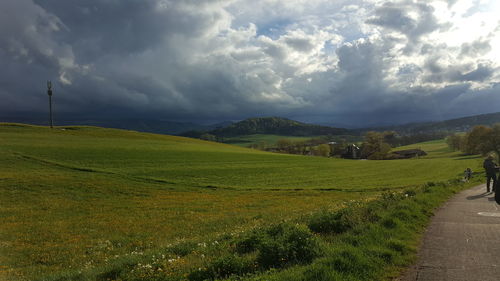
(91, 170)
(59, 165)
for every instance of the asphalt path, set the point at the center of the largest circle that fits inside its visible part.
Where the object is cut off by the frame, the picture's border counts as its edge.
(462, 241)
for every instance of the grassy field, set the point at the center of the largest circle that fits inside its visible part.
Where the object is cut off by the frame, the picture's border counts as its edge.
(271, 140)
(80, 198)
(267, 140)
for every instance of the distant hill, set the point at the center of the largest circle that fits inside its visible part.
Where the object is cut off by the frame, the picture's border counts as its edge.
(449, 126)
(150, 126)
(275, 126)
(141, 125)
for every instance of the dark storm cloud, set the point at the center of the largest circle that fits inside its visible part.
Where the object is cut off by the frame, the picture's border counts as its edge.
(438, 73)
(99, 27)
(213, 59)
(98, 50)
(481, 73)
(25, 54)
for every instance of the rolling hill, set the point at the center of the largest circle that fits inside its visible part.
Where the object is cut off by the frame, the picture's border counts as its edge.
(448, 126)
(274, 126)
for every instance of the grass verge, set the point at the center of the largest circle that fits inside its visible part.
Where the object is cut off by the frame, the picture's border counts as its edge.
(371, 240)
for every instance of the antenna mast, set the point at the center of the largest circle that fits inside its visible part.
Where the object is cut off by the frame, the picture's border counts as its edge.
(49, 92)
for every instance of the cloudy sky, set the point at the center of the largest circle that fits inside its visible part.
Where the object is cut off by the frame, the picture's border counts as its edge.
(356, 63)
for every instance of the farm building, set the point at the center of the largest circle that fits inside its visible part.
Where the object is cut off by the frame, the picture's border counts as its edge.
(352, 151)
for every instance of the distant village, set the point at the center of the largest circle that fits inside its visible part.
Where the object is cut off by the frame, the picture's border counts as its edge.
(376, 146)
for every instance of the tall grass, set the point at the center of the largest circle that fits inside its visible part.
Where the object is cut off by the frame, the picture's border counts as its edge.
(375, 241)
(374, 247)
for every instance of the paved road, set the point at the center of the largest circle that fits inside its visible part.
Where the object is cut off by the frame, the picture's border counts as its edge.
(462, 241)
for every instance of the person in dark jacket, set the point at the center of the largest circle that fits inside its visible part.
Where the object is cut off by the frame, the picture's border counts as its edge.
(491, 173)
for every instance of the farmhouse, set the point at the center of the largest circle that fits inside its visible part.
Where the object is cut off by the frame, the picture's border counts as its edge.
(352, 151)
(409, 153)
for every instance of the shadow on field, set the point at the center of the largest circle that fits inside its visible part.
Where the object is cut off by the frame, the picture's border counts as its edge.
(468, 157)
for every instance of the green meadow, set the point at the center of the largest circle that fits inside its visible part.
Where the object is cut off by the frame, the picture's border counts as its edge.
(272, 140)
(81, 199)
(269, 140)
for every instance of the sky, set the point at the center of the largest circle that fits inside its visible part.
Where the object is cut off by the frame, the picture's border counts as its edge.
(346, 63)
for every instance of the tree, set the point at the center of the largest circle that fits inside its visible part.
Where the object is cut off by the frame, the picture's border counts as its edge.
(391, 138)
(208, 137)
(493, 141)
(478, 140)
(261, 145)
(322, 150)
(300, 147)
(374, 145)
(382, 154)
(339, 148)
(455, 141)
(284, 145)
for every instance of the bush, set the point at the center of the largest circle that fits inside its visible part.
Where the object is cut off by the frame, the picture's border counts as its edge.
(333, 222)
(248, 243)
(275, 246)
(223, 267)
(377, 156)
(321, 150)
(280, 245)
(287, 243)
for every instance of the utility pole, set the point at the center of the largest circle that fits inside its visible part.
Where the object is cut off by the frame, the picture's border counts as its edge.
(49, 92)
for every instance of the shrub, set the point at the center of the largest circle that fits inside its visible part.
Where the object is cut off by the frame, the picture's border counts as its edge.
(280, 245)
(333, 221)
(223, 267)
(248, 243)
(287, 243)
(275, 246)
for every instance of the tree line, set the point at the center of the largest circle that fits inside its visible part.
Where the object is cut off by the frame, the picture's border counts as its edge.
(375, 145)
(479, 140)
